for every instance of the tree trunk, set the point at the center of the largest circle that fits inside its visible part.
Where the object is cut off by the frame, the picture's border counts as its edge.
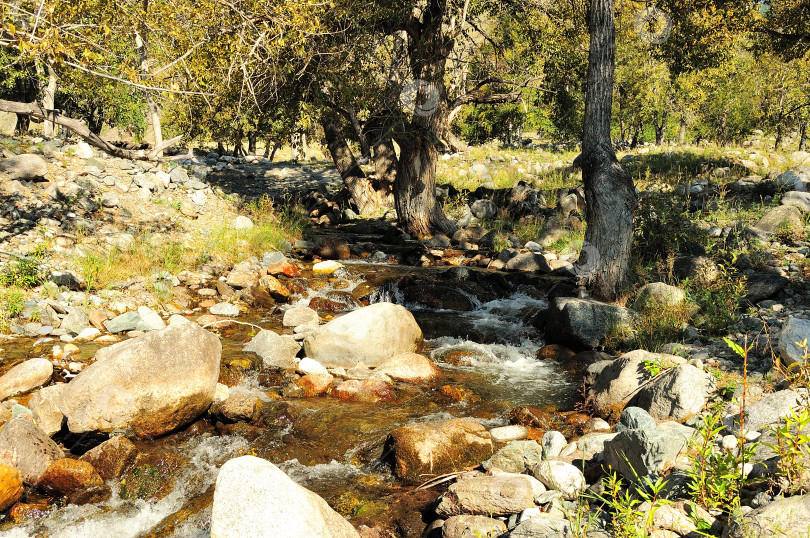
(78, 127)
(682, 131)
(636, 135)
(304, 146)
(803, 137)
(220, 147)
(151, 104)
(276, 146)
(96, 121)
(365, 149)
(360, 188)
(660, 130)
(252, 142)
(23, 123)
(609, 193)
(295, 145)
(385, 169)
(778, 141)
(48, 103)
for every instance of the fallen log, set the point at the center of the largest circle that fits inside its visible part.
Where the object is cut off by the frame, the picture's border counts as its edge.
(81, 129)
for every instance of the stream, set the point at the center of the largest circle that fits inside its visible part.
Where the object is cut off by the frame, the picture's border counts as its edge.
(488, 354)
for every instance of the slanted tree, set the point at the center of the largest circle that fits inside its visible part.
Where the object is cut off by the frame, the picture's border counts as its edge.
(609, 192)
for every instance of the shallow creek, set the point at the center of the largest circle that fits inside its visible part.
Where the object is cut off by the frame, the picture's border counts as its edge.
(328, 445)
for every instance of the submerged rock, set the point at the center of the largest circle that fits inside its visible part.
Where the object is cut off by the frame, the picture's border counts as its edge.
(410, 367)
(253, 497)
(419, 451)
(112, 458)
(370, 335)
(11, 486)
(150, 385)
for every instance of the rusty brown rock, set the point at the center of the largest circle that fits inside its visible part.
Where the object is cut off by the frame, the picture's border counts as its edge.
(68, 476)
(11, 486)
(274, 288)
(112, 458)
(365, 390)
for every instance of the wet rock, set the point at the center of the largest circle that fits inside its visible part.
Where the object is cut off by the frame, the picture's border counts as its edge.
(782, 517)
(27, 448)
(561, 476)
(438, 297)
(495, 495)
(253, 497)
(326, 267)
(765, 411)
(619, 380)
(365, 390)
(679, 393)
(585, 323)
(640, 453)
(75, 479)
(794, 331)
(419, 451)
(152, 477)
(44, 404)
(27, 167)
(372, 335)
(332, 248)
(274, 288)
(410, 367)
(25, 376)
(314, 384)
(761, 286)
(465, 525)
(240, 405)
(516, 457)
(11, 486)
(533, 417)
(300, 315)
(275, 351)
(529, 262)
(133, 385)
(554, 352)
(225, 309)
(112, 458)
(335, 302)
(658, 295)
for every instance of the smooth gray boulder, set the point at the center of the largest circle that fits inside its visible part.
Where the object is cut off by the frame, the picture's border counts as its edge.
(794, 332)
(635, 418)
(776, 217)
(516, 457)
(679, 393)
(44, 404)
(253, 497)
(585, 323)
(150, 385)
(26, 167)
(27, 448)
(618, 382)
(369, 335)
(765, 411)
(658, 295)
(25, 376)
(553, 442)
(467, 526)
(529, 262)
(543, 527)
(561, 476)
(635, 454)
(275, 351)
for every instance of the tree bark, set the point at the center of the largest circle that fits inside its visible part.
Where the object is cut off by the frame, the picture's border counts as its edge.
(251, 136)
(803, 137)
(23, 123)
(49, 102)
(660, 130)
(609, 192)
(358, 185)
(78, 127)
(682, 131)
(365, 149)
(151, 104)
(385, 169)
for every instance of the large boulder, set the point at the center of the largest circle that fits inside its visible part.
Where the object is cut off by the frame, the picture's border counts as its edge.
(25, 376)
(779, 216)
(467, 526)
(761, 286)
(782, 517)
(619, 381)
(657, 295)
(435, 448)
(766, 411)
(275, 351)
(639, 453)
(370, 335)
(495, 495)
(27, 448)
(151, 384)
(585, 323)
(253, 497)
(794, 332)
(25, 167)
(679, 393)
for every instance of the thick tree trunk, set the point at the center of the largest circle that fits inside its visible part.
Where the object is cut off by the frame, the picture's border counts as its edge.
(49, 102)
(23, 123)
(276, 147)
(660, 130)
(295, 146)
(358, 185)
(609, 193)
(682, 131)
(778, 141)
(78, 127)
(385, 169)
(365, 148)
(151, 104)
(636, 135)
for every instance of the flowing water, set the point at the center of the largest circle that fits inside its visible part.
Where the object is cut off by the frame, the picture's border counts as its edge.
(332, 446)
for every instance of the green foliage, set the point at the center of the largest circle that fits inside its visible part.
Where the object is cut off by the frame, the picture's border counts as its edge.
(11, 305)
(657, 325)
(631, 508)
(719, 300)
(479, 124)
(662, 228)
(791, 445)
(24, 272)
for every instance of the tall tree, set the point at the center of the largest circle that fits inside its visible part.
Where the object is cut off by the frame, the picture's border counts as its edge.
(609, 193)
